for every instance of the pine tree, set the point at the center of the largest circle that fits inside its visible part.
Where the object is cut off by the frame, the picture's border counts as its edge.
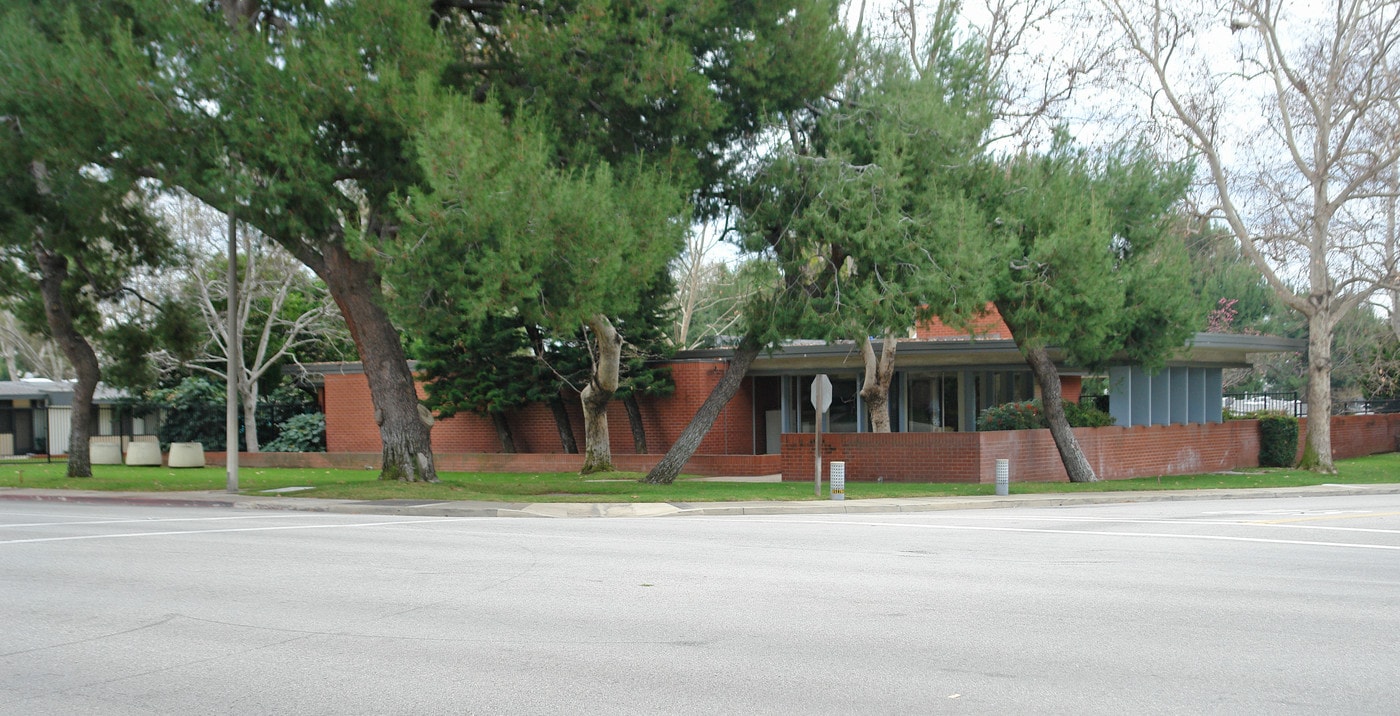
(1092, 261)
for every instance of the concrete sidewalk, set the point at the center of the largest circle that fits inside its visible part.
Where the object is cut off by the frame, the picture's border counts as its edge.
(428, 508)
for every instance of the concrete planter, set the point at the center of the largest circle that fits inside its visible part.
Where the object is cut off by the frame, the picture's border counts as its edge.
(143, 453)
(186, 455)
(104, 453)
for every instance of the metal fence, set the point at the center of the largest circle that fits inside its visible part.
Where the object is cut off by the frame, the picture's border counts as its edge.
(1367, 406)
(1283, 402)
(45, 430)
(1098, 401)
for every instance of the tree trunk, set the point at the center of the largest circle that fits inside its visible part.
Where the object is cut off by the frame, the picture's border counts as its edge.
(503, 432)
(685, 446)
(878, 373)
(11, 365)
(634, 419)
(250, 415)
(562, 424)
(1317, 449)
(1076, 465)
(597, 450)
(404, 427)
(53, 270)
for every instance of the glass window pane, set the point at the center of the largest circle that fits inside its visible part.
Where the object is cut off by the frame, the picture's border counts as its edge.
(950, 403)
(843, 417)
(933, 402)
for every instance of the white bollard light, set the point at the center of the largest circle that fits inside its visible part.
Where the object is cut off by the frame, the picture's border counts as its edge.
(838, 480)
(1003, 477)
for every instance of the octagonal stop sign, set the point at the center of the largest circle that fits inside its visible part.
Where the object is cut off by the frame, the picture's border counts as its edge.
(821, 393)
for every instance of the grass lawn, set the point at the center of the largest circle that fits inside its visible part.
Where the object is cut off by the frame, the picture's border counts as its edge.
(624, 486)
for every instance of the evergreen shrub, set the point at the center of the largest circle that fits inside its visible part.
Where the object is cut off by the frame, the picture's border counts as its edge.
(1278, 439)
(300, 433)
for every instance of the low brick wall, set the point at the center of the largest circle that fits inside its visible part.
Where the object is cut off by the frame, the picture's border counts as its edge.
(1115, 453)
(708, 465)
(1357, 435)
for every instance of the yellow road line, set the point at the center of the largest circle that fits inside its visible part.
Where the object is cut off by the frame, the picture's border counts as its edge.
(1325, 517)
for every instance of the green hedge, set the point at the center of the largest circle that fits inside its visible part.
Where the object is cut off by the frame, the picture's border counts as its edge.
(1278, 439)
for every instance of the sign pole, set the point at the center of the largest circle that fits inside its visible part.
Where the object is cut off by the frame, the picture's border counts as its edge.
(821, 400)
(235, 362)
(817, 451)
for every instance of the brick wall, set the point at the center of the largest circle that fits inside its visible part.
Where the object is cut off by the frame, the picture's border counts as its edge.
(987, 325)
(711, 465)
(350, 425)
(1114, 452)
(898, 457)
(1071, 386)
(1357, 435)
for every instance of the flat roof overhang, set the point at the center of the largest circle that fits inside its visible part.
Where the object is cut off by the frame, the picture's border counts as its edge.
(1213, 350)
(1206, 350)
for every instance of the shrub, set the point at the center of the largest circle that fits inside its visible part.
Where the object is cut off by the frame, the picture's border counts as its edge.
(300, 433)
(1278, 439)
(192, 411)
(1087, 415)
(1012, 416)
(1030, 416)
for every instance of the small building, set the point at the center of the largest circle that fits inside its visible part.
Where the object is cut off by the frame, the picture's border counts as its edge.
(36, 417)
(943, 380)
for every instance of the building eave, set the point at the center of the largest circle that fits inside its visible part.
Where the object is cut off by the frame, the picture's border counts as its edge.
(1216, 350)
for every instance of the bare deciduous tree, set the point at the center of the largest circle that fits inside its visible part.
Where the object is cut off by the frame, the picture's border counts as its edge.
(1035, 57)
(1294, 112)
(708, 294)
(276, 298)
(38, 355)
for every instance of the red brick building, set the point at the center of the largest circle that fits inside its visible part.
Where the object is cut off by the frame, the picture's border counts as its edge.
(944, 378)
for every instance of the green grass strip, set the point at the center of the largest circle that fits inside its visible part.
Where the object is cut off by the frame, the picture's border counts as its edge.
(625, 487)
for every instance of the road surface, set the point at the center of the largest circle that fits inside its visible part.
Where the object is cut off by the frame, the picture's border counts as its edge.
(1239, 606)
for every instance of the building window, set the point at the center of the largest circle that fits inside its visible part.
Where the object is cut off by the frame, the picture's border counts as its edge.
(995, 388)
(933, 402)
(842, 417)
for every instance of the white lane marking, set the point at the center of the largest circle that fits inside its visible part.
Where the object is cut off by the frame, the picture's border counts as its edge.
(45, 514)
(121, 535)
(1233, 523)
(1081, 533)
(1276, 513)
(4, 525)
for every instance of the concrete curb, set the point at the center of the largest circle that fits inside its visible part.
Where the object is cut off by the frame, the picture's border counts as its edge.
(667, 509)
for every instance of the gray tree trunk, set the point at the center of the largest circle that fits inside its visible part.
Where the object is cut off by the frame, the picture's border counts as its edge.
(250, 415)
(404, 428)
(1317, 448)
(878, 373)
(1076, 465)
(11, 364)
(597, 447)
(685, 446)
(563, 425)
(503, 433)
(634, 419)
(53, 270)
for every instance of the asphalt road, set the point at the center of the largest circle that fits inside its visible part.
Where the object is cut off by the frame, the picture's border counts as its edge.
(1240, 606)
